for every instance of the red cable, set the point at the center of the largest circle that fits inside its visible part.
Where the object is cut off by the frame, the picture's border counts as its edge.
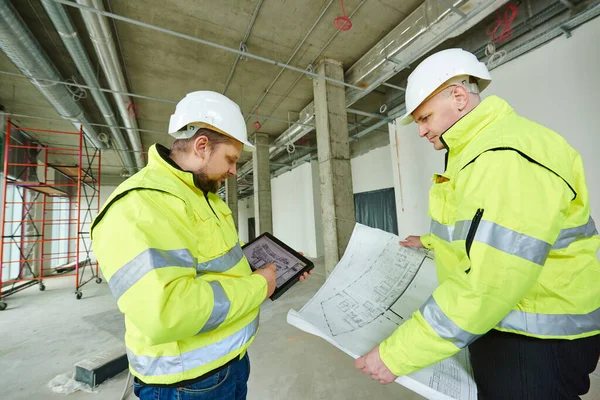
(510, 13)
(342, 23)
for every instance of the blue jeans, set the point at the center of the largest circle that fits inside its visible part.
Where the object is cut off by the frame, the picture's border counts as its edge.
(228, 384)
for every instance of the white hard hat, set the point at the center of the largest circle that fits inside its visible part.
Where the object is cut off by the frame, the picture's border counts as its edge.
(437, 69)
(212, 110)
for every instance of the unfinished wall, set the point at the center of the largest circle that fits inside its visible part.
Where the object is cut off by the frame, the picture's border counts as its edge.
(105, 192)
(294, 220)
(297, 201)
(556, 85)
(372, 170)
(245, 211)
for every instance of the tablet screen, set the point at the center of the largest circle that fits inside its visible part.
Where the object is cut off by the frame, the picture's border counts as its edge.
(265, 251)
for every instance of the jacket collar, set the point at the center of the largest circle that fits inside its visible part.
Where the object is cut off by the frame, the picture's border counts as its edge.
(459, 135)
(158, 157)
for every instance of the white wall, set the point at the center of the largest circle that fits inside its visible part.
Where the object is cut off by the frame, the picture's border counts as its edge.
(245, 211)
(105, 192)
(414, 163)
(296, 198)
(294, 222)
(556, 85)
(372, 170)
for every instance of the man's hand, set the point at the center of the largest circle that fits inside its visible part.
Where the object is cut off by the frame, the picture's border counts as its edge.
(371, 364)
(412, 241)
(304, 275)
(269, 272)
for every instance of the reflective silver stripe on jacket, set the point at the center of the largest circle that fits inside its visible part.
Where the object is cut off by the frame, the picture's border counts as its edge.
(166, 365)
(569, 235)
(220, 308)
(223, 263)
(507, 241)
(510, 241)
(551, 324)
(149, 259)
(442, 231)
(444, 326)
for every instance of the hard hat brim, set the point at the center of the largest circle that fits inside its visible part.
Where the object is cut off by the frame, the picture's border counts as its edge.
(406, 119)
(248, 147)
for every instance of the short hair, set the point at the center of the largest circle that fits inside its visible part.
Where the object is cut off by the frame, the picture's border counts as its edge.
(214, 138)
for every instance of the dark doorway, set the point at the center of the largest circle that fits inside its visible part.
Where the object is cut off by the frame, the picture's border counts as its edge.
(251, 229)
(377, 209)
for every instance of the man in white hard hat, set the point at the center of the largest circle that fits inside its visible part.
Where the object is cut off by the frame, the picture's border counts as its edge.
(514, 242)
(169, 248)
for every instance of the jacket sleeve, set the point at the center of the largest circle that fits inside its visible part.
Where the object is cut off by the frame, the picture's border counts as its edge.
(522, 207)
(427, 242)
(144, 255)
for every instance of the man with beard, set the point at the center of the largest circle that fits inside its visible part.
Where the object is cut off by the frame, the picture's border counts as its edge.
(169, 248)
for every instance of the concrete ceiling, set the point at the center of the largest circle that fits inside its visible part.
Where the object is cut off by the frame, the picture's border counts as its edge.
(167, 67)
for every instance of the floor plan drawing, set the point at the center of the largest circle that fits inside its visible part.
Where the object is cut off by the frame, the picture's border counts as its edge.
(376, 286)
(374, 292)
(266, 251)
(265, 255)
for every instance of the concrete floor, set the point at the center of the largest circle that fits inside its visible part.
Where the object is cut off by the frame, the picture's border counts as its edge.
(40, 341)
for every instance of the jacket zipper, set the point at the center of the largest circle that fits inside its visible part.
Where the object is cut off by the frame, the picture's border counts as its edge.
(471, 234)
(208, 202)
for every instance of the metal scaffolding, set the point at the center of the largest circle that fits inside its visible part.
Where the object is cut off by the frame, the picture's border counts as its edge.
(50, 195)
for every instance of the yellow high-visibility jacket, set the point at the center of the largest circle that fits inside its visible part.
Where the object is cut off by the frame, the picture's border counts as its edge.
(173, 261)
(515, 245)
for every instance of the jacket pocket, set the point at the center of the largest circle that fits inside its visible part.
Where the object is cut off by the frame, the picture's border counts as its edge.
(471, 234)
(442, 203)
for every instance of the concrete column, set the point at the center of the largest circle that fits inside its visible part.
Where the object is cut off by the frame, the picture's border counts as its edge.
(335, 173)
(231, 197)
(262, 185)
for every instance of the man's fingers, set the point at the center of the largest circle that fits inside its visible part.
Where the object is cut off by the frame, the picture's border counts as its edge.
(360, 362)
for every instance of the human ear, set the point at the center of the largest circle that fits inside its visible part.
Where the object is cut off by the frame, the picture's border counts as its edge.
(201, 146)
(461, 97)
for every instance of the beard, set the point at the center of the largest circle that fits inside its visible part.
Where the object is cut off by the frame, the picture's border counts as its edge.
(204, 183)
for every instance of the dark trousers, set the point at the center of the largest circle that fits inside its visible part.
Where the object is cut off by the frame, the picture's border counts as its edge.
(516, 367)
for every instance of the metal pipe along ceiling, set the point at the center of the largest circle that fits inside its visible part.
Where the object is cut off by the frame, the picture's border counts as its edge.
(100, 33)
(315, 58)
(141, 96)
(242, 44)
(20, 46)
(100, 11)
(426, 27)
(291, 57)
(63, 24)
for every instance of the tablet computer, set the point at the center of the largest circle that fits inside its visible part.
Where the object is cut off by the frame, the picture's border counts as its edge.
(267, 249)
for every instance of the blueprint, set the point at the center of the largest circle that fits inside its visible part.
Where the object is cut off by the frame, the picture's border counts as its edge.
(376, 286)
(265, 251)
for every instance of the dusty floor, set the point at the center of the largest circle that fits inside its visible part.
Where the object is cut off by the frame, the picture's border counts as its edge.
(45, 334)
